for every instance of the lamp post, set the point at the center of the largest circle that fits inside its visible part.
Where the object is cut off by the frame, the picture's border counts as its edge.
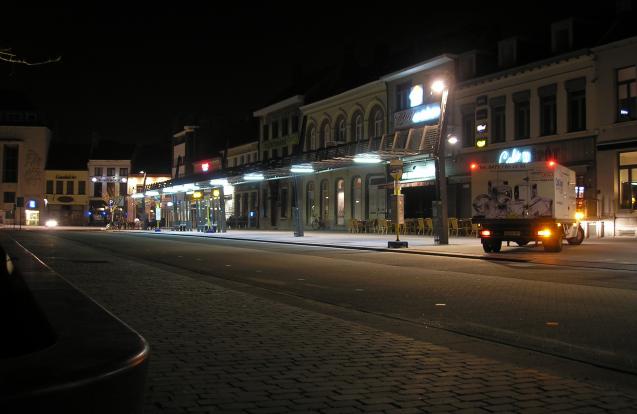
(144, 199)
(440, 206)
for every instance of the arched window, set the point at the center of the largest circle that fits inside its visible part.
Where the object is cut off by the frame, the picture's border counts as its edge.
(310, 203)
(357, 127)
(326, 135)
(377, 122)
(340, 202)
(310, 138)
(325, 200)
(340, 129)
(357, 198)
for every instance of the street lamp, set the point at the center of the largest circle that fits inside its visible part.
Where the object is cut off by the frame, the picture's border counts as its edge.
(441, 219)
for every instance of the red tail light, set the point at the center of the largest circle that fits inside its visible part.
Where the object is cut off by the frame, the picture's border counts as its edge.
(485, 233)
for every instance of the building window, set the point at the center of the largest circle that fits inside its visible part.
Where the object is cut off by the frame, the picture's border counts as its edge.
(70, 187)
(266, 132)
(110, 172)
(265, 155)
(357, 198)
(576, 111)
(275, 129)
(522, 120)
(98, 171)
(357, 126)
(340, 202)
(9, 197)
(284, 202)
(628, 180)
(10, 164)
(123, 172)
(123, 189)
(310, 203)
(295, 124)
(325, 200)
(275, 153)
(627, 94)
(285, 151)
(59, 187)
(325, 135)
(110, 189)
(402, 96)
(468, 128)
(548, 115)
(81, 187)
(49, 186)
(377, 122)
(340, 130)
(242, 160)
(97, 189)
(284, 127)
(311, 141)
(498, 128)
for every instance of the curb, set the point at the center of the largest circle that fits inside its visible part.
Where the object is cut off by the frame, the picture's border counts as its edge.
(374, 249)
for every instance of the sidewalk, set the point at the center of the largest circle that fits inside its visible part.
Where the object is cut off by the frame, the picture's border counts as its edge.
(614, 253)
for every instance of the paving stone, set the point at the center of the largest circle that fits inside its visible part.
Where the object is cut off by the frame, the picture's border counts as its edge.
(219, 350)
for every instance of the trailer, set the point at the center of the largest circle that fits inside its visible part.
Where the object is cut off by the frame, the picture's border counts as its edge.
(524, 203)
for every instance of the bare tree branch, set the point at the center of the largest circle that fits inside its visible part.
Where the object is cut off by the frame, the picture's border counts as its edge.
(7, 56)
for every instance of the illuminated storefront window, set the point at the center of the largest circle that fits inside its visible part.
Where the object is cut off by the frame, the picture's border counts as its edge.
(628, 180)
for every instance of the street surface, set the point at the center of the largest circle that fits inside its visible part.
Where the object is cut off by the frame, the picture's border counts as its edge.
(257, 327)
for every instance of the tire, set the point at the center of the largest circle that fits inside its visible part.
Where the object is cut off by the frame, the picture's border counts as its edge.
(579, 238)
(553, 246)
(492, 246)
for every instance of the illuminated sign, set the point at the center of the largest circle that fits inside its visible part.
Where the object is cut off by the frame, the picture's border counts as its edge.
(415, 96)
(422, 113)
(205, 166)
(31, 204)
(419, 171)
(514, 156)
(481, 128)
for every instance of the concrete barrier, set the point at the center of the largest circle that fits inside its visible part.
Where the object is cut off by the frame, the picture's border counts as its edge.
(69, 355)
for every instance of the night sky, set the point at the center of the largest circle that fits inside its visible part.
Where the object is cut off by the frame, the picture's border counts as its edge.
(136, 74)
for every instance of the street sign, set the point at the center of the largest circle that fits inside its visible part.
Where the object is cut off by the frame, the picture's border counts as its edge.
(396, 169)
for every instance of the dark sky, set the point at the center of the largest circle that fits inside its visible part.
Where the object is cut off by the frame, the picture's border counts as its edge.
(135, 73)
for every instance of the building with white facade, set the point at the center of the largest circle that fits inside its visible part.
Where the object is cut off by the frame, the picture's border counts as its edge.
(616, 111)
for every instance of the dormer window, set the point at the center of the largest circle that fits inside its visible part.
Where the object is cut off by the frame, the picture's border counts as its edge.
(507, 52)
(562, 36)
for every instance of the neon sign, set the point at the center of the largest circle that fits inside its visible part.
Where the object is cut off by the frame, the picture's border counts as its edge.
(514, 156)
(427, 113)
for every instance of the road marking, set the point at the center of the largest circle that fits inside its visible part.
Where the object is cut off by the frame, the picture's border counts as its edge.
(360, 290)
(180, 257)
(228, 265)
(552, 324)
(441, 304)
(300, 279)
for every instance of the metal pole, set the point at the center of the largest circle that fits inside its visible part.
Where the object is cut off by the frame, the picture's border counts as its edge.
(298, 211)
(443, 237)
(221, 225)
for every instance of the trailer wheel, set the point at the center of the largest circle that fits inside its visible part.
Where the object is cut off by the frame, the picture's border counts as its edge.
(492, 246)
(553, 245)
(577, 239)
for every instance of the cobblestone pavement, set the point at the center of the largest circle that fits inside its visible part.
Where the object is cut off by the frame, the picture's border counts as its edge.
(220, 350)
